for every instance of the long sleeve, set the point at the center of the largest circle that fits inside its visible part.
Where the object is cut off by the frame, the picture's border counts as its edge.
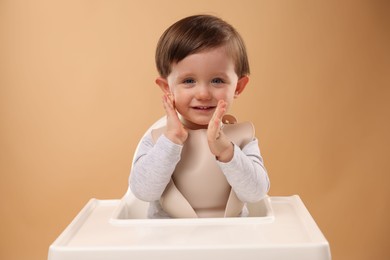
(153, 167)
(246, 173)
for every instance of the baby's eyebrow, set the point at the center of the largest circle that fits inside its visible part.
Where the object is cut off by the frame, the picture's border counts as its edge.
(185, 76)
(220, 75)
(220, 72)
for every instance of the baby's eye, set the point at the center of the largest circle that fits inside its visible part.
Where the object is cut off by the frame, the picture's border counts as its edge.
(189, 81)
(217, 81)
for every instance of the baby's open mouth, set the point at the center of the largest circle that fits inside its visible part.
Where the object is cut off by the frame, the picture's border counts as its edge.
(203, 107)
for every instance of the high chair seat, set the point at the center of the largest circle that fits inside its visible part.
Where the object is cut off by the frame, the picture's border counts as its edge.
(277, 228)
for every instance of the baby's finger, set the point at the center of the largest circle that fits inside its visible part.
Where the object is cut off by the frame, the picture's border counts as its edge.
(221, 110)
(213, 131)
(168, 105)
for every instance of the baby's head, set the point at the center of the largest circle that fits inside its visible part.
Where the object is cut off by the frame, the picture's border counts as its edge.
(199, 33)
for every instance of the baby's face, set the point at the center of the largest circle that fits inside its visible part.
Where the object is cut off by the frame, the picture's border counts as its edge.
(199, 81)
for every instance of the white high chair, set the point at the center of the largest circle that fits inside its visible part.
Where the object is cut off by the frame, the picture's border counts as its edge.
(277, 228)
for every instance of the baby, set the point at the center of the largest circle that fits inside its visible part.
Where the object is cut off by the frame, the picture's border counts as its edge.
(202, 163)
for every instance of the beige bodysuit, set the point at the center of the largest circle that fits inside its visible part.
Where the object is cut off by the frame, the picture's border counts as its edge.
(198, 187)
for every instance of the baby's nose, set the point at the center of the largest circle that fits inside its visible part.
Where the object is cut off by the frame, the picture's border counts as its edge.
(203, 92)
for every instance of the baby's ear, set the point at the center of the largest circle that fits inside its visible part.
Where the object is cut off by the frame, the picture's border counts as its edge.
(163, 84)
(241, 84)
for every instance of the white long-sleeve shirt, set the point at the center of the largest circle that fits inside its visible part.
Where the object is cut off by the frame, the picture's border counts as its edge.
(155, 163)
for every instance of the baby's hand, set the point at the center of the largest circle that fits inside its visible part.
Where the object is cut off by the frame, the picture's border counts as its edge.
(219, 144)
(175, 130)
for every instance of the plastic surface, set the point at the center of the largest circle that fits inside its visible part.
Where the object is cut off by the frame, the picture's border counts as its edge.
(278, 228)
(132, 211)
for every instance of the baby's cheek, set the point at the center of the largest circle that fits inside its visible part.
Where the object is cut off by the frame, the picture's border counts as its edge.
(227, 97)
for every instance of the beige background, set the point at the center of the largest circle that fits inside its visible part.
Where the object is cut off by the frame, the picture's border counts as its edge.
(77, 92)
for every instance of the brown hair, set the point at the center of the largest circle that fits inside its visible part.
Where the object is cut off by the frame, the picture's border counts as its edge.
(197, 33)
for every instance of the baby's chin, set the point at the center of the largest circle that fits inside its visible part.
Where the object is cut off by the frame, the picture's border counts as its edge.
(195, 124)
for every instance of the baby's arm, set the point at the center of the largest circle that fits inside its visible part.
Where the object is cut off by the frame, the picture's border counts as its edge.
(153, 167)
(246, 173)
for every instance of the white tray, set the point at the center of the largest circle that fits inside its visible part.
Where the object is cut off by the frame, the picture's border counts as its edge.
(278, 228)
